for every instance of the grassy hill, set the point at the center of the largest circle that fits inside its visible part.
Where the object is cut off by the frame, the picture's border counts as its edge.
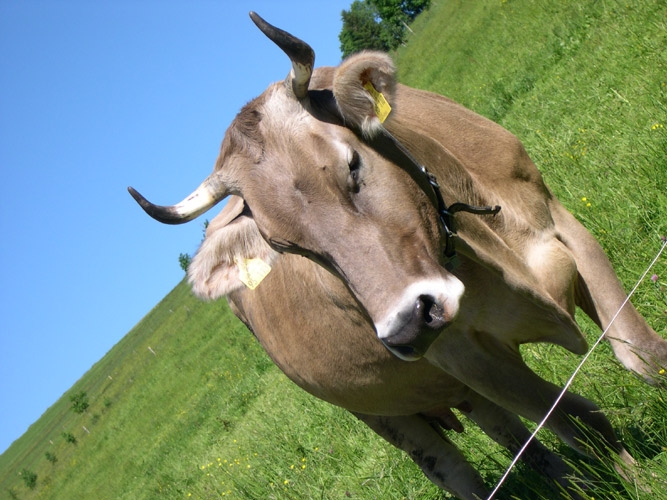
(187, 405)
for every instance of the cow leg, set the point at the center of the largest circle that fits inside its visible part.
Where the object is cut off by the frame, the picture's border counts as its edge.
(508, 430)
(435, 455)
(599, 293)
(497, 372)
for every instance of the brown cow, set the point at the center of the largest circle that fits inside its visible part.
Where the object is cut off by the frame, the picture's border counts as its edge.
(334, 205)
(322, 339)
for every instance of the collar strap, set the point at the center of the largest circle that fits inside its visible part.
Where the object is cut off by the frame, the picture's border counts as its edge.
(387, 145)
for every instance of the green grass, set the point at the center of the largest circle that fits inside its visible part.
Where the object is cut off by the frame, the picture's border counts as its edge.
(584, 85)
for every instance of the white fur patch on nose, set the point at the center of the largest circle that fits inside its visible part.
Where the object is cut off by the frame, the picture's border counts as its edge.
(446, 292)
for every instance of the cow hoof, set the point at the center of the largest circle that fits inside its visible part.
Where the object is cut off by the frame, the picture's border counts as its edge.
(654, 371)
(648, 362)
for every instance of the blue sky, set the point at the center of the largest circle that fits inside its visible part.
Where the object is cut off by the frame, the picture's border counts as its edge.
(96, 96)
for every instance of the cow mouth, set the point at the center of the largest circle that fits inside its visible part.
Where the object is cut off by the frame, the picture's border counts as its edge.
(414, 350)
(405, 352)
(416, 329)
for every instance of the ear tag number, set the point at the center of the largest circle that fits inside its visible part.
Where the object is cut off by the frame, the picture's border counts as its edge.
(252, 271)
(382, 107)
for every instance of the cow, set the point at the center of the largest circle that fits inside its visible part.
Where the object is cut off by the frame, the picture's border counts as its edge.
(336, 248)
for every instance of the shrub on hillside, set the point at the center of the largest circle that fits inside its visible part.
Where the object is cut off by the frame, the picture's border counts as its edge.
(79, 402)
(69, 437)
(29, 478)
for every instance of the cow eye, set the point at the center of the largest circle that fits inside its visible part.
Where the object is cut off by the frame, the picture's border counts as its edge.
(353, 179)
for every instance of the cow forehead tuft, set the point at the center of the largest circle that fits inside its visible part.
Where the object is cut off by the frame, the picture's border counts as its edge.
(281, 113)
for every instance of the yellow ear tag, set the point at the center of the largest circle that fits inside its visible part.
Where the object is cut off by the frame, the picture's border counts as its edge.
(252, 271)
(382, 107)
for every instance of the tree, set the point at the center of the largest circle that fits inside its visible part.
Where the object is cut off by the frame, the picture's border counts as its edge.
(184, 260)
(377, 24)
(361, 29)
(396, 11)
(79, 402)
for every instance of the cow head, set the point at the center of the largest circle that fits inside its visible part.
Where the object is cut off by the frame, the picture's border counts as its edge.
(301, 158)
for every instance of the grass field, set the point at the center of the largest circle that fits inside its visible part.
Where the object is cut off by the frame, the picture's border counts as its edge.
(187, 405)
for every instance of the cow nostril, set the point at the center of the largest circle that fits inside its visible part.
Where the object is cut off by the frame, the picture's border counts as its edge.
(432, 312)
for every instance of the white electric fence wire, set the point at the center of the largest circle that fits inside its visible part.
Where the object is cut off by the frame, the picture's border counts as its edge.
(571, 379)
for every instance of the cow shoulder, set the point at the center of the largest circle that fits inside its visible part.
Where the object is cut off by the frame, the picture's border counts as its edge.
(232, 238)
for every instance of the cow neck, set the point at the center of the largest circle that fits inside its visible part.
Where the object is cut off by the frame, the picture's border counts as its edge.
(390, 147)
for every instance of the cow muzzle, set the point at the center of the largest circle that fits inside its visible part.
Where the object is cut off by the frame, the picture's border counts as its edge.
(410, 329)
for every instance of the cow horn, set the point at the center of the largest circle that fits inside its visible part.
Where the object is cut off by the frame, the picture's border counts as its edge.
(299, 52)
(202, 199)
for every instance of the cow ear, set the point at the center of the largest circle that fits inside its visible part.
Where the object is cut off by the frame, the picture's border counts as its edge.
(233, 254)
(364, 87)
